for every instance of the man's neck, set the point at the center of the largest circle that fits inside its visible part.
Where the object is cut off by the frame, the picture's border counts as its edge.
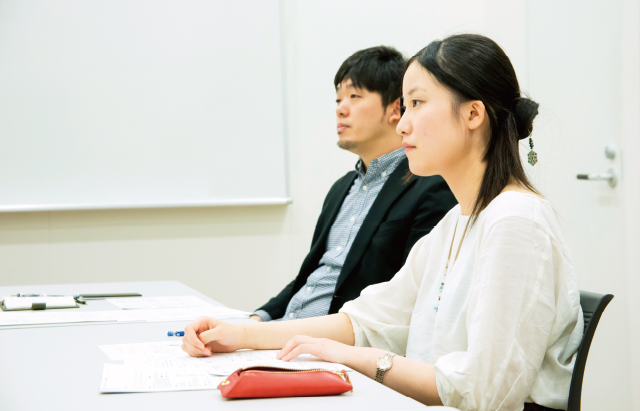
(387, 145)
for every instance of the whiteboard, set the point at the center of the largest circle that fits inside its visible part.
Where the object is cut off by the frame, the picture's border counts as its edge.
(140, 103)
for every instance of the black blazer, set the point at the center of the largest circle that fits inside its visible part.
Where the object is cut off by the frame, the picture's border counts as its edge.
(401, 215)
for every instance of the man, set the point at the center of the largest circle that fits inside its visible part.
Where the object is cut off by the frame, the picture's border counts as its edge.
(372, 216)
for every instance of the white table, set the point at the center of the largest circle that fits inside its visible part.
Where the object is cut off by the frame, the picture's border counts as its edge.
(55, 367)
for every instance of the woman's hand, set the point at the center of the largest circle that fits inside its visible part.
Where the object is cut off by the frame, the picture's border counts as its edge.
(325, 349)
(206, 335)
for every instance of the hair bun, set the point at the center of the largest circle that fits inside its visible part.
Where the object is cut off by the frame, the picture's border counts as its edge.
(524, 110)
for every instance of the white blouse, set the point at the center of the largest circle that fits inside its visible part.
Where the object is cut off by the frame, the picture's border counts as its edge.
(509, 321)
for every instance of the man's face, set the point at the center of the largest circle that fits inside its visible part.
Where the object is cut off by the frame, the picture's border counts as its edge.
(360, 116)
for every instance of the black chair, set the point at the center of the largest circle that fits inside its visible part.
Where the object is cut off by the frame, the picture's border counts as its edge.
(593, 306)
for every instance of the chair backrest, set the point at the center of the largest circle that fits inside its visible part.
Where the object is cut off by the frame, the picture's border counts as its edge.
(593, 306)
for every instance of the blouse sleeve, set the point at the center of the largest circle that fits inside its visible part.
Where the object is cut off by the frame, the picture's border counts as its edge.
(509, 319)
(381, 315)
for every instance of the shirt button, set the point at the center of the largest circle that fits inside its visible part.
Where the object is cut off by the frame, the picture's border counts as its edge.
(309, 289)
(364, 188)
(352, 219)
(291, 315)
(384, 173)
(339, 248)
(328, 268)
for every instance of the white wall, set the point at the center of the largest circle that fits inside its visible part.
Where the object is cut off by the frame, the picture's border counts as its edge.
(219, 250)
(242, 256)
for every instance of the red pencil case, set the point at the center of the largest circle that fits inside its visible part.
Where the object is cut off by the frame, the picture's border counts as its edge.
(266, 382)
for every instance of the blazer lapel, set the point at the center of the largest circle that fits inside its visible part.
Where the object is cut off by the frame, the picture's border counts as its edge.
(331, 212)
(388, 194)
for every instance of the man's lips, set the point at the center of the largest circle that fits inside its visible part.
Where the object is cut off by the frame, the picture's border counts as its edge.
(342, 127)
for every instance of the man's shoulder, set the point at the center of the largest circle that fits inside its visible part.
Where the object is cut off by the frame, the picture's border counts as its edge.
(345, 179)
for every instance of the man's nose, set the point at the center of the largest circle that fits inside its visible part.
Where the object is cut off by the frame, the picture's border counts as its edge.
(342, 110)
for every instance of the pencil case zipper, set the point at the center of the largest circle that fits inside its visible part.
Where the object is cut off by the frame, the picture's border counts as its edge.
(338, 373)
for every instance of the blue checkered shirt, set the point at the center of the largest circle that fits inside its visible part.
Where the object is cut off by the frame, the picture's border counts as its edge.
(314, 299)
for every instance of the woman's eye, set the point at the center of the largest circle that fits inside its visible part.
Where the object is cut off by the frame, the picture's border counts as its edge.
(414, 103)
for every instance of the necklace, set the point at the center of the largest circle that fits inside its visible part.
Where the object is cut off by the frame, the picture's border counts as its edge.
(446, 268)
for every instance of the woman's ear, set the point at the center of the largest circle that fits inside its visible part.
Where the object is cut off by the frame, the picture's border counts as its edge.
(395, 114)
(474, 114)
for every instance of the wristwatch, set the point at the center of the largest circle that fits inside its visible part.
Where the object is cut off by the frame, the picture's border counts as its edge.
(384, 363)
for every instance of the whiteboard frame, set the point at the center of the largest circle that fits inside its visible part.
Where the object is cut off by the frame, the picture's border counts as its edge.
(232, 202)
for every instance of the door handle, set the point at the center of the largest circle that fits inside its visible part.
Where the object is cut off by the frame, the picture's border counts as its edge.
(609, 176)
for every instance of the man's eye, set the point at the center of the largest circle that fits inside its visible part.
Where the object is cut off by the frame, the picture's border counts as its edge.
(354, 96)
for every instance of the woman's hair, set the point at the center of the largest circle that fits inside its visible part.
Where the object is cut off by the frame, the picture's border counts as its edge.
(474, 67)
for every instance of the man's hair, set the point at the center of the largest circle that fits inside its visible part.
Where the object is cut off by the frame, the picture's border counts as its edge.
(378, 69)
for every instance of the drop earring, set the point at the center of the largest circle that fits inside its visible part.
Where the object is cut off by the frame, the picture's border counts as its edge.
(532, 156)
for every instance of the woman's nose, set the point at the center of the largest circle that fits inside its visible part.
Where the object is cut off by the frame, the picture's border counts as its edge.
(404, 126)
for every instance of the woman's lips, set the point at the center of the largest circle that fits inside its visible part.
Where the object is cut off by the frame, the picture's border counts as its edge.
(407, 147)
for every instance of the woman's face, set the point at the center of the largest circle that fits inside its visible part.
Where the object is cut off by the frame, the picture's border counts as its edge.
(433, 137)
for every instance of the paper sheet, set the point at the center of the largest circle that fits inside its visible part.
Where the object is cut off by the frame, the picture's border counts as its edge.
(77, 316)
(170, 354)
(137, 303)
(124, 378)
(163, 349)
(177, 314)
(53, 317)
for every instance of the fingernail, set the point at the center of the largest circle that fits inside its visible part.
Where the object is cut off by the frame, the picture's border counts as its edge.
(201, 346)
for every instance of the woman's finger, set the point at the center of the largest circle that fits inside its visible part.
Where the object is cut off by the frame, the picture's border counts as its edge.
(312, 348)
(293, 343)
(195, 352)
(191, 338)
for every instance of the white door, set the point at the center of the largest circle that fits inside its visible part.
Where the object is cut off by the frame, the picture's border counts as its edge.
(579, 56)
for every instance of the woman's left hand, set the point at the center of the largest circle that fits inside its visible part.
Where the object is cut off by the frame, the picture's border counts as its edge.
(325, 349)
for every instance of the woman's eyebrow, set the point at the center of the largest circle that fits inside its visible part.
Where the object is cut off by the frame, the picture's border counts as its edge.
(416, 88)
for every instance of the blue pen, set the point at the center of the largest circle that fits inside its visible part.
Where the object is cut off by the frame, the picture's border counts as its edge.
(176, 333)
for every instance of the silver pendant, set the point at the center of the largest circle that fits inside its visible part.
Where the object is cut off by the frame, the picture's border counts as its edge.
(533, 157)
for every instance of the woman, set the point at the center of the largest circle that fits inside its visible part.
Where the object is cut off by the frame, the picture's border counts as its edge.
(485, 314)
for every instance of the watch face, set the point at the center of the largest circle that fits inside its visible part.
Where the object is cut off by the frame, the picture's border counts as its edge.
(384, 363)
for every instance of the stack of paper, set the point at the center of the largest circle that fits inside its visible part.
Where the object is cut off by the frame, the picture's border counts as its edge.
(168, 355)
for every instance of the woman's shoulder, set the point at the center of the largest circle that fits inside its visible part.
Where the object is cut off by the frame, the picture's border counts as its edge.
(450, 218)
(519, 205)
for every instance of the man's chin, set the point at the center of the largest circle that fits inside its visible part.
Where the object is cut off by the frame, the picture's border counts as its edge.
(347, 144)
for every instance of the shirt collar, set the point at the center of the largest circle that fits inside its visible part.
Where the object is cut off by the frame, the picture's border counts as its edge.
(384, 164)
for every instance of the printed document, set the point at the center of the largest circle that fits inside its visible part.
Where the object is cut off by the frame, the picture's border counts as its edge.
(170, 354)
(124, 378)
(138, 303)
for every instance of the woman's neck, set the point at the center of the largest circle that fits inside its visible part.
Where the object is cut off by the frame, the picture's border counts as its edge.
(464, 183)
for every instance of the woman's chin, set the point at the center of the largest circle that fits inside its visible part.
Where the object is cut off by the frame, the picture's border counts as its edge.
(421, 170)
